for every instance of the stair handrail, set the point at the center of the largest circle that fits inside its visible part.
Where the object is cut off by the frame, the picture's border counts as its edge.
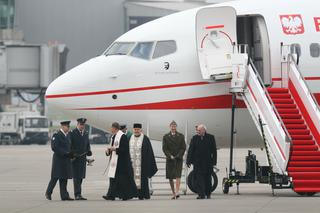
(292, 58)
(288, 137)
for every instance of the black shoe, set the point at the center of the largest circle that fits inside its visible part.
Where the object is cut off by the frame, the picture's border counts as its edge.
(108, 197)
(208, 196)
(67, 199)
(201, 197)
(48, 196)
(79, 197)
(177, 196)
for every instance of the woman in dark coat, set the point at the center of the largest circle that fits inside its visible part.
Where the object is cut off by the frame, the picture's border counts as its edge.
(174, 147)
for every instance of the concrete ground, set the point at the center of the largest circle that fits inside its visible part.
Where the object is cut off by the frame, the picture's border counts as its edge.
(25, 172)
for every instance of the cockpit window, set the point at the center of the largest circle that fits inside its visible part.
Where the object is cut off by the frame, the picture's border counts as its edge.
(119, 48)
(142, 50)
(164, 48)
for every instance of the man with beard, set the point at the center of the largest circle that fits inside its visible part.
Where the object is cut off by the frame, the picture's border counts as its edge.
(202, 154)
(143, 161)
(120, 171)
(80, 147)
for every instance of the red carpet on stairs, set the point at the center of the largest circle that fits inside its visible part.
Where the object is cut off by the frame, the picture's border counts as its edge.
(304, 162)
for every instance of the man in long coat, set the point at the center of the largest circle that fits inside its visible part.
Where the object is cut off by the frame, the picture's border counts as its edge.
(174, 146)
(61, 163)
(120, 171)
(202, 154)
(80, 147)
(143, 161)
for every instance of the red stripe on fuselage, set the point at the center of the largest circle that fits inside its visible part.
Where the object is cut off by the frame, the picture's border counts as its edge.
(315, 78)
(126, 90)
(212, 102)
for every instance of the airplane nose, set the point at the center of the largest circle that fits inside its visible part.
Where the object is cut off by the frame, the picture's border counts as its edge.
(63, 93)
(55, 93)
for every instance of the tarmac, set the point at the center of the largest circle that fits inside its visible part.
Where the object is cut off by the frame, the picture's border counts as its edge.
(25, 172)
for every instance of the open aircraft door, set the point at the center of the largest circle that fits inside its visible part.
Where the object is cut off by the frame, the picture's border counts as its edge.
(216, 34)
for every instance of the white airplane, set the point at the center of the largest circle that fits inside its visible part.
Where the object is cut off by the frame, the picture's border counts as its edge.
(153, 74)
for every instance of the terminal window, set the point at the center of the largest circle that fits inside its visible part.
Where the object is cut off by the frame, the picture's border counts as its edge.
(6, 14)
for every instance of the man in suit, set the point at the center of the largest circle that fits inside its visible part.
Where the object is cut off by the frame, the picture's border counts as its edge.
(80, 147)
(61, 163)
(202, 154)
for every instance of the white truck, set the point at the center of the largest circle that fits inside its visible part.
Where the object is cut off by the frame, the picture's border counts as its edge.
(23, 128)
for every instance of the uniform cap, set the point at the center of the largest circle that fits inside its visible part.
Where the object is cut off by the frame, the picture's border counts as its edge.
(173, 123)
(82, 120)
(65, 123)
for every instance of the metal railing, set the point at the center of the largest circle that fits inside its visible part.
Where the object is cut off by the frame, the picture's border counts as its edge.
(184, 177)
(288, 139)
(292, 58)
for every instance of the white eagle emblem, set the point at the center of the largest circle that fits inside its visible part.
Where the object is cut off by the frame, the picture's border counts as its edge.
(292, 24)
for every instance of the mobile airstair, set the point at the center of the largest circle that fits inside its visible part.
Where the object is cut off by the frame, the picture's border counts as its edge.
(290, 117)
(287, 116)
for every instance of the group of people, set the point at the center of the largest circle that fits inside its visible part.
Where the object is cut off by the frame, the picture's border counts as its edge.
(70, 151)
(131, 161)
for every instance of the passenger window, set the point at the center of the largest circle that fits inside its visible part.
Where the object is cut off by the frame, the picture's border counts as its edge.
(295, 48)
(164, 48)
(142, 50)
(119, 48)
(315, 50)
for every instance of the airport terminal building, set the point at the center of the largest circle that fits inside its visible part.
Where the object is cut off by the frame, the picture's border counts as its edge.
(89, 27)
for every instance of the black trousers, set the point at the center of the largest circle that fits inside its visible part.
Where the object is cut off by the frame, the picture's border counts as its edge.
(77, 186)
(63, 187)
(204, 184)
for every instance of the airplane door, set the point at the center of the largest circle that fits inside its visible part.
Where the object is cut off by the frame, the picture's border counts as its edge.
(261, 53)
(216, 34)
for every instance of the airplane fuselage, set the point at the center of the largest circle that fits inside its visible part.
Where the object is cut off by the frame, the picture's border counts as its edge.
(153, 90)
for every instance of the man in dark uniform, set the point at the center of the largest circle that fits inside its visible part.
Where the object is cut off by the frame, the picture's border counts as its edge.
(80, 147)
(61, 163)
(202, 154)
(174, 146)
